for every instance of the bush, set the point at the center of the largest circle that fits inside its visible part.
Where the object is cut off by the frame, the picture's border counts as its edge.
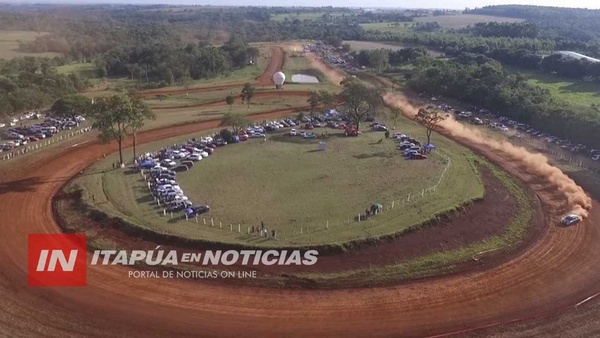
(226, 135)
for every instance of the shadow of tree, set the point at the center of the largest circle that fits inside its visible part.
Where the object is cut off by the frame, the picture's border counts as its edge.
(372, 155)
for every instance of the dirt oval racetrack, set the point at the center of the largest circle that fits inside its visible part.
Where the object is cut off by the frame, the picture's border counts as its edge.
(559, 271)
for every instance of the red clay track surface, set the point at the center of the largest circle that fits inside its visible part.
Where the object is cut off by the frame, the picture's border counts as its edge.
(271, 94)
(275, 65)
(559, 271)
(265, 79)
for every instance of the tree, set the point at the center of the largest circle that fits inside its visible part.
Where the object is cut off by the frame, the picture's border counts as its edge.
(186, 82)
(314, 99)
(248, 93)
(235, 120)
(327, 99)
(112, 116)
(70, 106)
(430, 119)
(253, 53)
(395, 112)
(359, 100)
(140, 113)
(230, 100)
(226, 135)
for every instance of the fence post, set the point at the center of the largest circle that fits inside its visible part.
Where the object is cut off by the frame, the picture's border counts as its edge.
(230, 227)
(204, 220)
(220, 225)
(212, 223)
(393, 204)
(165, 212)
(196, 218)
(327, 226)
(239, 228)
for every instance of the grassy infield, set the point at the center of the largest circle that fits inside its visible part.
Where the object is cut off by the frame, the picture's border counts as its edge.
(319, 204)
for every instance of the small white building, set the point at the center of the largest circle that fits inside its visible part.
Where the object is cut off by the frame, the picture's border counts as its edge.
(577, 56)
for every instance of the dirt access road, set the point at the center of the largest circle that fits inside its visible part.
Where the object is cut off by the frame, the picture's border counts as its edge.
(558, 271)
(265, 79)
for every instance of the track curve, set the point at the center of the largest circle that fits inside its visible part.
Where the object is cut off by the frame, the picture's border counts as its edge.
(560, 270)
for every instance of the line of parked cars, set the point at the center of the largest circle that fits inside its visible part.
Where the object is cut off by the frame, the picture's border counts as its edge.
(410, 147)
(23, 135)
(506, 124)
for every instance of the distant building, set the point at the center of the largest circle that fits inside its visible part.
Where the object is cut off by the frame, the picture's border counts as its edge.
(577, 56)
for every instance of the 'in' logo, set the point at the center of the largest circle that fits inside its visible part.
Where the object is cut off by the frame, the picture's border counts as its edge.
(57, 260)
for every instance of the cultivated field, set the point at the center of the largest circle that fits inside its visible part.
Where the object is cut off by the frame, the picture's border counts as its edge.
(464, 20)
(10, 42)
(289, 185)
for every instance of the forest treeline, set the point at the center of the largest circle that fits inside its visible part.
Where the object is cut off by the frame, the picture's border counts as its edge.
(481, 81)
(33, 83)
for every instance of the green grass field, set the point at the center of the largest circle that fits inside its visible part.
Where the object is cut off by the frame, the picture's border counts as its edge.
(464, 20)
(83, 69)
(574, 92)
(442, 262)
(390, 27)
(297, 190)
(10, 42)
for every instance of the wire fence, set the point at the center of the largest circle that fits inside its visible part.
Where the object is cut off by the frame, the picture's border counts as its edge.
(7, 155)
(559, 154)
(274, 233)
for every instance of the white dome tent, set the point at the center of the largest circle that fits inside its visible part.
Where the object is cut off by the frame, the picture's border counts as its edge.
(279, 79)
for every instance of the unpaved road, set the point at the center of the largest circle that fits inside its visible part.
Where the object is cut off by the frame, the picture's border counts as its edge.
(559, 271)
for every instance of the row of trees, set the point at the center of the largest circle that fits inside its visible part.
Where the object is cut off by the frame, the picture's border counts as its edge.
(380, 59)
(169, 64)
(32, 83)
(482, 82)
(115, 117)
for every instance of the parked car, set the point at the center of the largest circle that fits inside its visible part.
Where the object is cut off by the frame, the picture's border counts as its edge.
(293, 132)
(418, 156)
(194, 157)
(199, 209)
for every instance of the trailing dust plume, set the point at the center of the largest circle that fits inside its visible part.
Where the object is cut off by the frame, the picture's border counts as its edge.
(332, 75)
(536, 164)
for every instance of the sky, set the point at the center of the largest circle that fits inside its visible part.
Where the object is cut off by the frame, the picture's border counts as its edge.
(446, 4)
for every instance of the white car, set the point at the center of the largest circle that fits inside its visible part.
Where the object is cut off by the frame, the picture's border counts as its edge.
(158, 168)
(204, 154)
(169, 163)
(195, 157)
(571, 219)
(293, 132)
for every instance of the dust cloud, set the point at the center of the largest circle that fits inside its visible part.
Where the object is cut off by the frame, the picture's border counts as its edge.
(332, 75)
(536, 164)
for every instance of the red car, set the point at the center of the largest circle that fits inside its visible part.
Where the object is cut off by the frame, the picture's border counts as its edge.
(33, 138)
(243, 137)
(309, 126)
